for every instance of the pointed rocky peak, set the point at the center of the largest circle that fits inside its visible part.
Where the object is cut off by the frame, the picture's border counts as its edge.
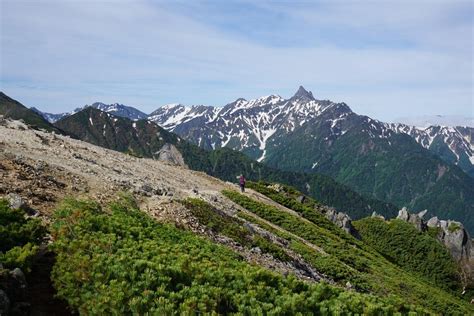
(303, 93)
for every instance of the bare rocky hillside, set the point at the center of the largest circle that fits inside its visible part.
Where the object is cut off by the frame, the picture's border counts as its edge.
(44, 168)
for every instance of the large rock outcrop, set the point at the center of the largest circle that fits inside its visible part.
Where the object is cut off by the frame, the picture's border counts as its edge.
(169, 153)
(415, 219)
(451, 233)
(341, 220)
(454, 237)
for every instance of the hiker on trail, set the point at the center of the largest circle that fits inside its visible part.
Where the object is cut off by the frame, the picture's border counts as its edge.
(242, 183)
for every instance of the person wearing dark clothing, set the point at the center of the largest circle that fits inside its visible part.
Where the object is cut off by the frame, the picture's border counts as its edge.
(242, 183)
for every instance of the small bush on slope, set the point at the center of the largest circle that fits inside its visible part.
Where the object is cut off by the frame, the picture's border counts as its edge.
(411, 249)
(19, 237)
(123, 262)
(370, 270)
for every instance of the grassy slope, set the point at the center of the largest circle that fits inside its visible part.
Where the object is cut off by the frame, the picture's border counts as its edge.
(120, 261)
(415, 251)
(394, 169)
(351, 260)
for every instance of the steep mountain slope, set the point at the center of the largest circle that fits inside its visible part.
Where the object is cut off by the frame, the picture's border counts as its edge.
(115, 109)
(13, 109)
(144, 138)
(403, 244)
(303, 134)
(377, 161)
(453, 144)
(116, 256)
(249, 126)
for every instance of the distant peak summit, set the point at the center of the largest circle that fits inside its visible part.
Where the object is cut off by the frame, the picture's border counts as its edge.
(303, 93)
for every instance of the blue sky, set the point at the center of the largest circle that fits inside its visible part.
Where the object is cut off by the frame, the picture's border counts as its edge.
(386, 59)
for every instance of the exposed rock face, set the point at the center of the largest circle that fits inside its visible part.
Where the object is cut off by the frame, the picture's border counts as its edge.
(433, 222)
(455, 238)
(169, 153)
(13, 293)
(451, 233)
(374, 214)
(4, 303)
(415, 219)
(341, 220)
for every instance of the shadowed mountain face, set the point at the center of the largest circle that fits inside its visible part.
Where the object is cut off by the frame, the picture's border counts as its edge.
(13, 109)
(145, 138)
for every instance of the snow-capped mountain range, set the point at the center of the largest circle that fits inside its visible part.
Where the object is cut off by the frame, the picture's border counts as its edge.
(115, 108)
(250, 126)
(256, 126)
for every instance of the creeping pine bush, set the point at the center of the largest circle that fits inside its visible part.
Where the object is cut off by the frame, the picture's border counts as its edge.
(19, 238)
(347, 259)
(120, 261)
(415, 251)
(231, 227)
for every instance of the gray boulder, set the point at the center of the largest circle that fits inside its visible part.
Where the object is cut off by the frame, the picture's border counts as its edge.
(19, 277)
(403, 214)
(376, 215)
(457, 240)
(453, 235)
(415, 219)
(16, 201)
(169, 153)
(422, 214)
(301, 198)
(433, 222)
(341, 220)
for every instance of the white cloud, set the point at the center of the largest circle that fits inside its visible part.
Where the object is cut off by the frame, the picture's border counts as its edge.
(67, 53)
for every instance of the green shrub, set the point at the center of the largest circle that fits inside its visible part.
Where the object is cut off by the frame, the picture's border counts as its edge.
(415, 251)
(453, 227)
(120, 261)
(19, 237)
(19, 257)
(351, 260)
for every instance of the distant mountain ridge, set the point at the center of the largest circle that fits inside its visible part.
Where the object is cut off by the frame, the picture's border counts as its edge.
(114, 108)
(453, 144)
(248, 125)
(425, 121)
(260, 119)
(13, 109)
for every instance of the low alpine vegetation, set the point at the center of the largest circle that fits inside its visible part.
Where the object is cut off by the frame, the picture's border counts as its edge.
(120, 261)
(20, 237)
(350, 260)
(231, 227)
(411, 249)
